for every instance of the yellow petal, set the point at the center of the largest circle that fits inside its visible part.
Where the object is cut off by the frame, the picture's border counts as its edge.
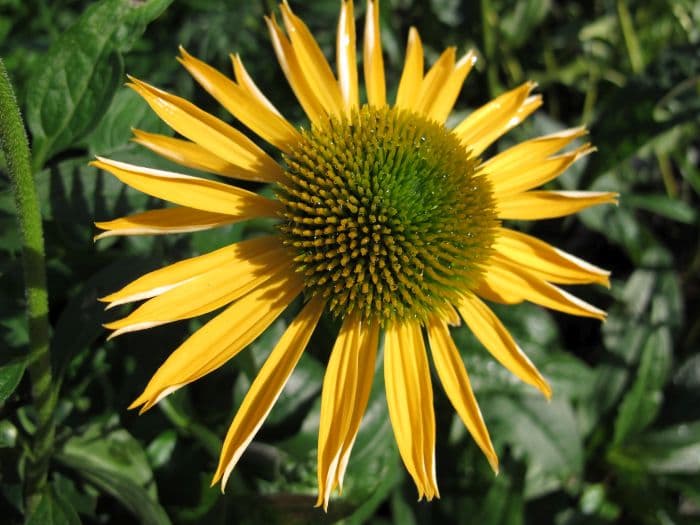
(412, 75)
(221, 338)
(366, 358)
(435, 80)
(192, 192)
(534, 205)
(519, 178)
(502, 274)
(337, 400)
(455, 381)
(490, 121)
(194, 156)
(531, 152)
(528, 107)
(166, 221)
(346, 45)
(295, 75)
(493, 335)
(258, 117)
(545, 261)
(410, 401)
(208, 131)
(205, 293)
(373, 61)
(266, 388)
(445, 98)
(313, 63)
(159, 281)
(245, 81)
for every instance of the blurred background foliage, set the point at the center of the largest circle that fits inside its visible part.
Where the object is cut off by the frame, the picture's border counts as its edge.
(619, 443)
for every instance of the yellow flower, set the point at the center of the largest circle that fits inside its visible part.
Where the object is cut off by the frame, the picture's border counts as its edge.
(386, 219)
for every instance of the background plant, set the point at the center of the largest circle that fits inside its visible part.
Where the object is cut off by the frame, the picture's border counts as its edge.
(620, 442)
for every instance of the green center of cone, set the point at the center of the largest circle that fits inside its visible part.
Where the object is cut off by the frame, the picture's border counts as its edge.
(387, 214)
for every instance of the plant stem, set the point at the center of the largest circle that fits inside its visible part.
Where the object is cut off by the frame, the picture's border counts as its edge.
(13, 141)
(634, 51)
(487, 26)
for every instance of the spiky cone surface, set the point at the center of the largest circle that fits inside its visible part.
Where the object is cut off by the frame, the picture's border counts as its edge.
(386, 219)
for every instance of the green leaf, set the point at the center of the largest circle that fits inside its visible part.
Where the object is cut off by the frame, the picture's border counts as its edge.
(519, 24)
(504, 502)
(53, 510)
(12, 365)
(546, 433)
(117, 465)
(673, 450)
(80, 322)
(74, 83)
(641, 405)
(647, 98)
(673, 209)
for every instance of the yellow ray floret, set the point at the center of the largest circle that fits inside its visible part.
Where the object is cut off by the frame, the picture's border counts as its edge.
(266, 388)
(194, 156)
(159, 281)
(257, 116)
(410, 400)
(161, 222)
(412, 75)
(535, 205)
(346, 57)
(372, 54)
(313, 63)
(221, 338)
(208, 131)
(455, 381)
(192, 192)
(204, 293)
(545, 261)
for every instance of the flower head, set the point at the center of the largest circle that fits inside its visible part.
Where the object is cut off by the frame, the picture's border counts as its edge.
(386, 219)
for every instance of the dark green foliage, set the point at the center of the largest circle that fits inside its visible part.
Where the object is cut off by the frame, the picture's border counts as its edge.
(619, 441)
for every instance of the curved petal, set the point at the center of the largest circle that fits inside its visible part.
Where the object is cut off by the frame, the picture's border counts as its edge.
(159, 281)
(528, 154)
(412, 75)
(445, 98)
(435, 80)
(535, 205)
(533, 174)
(221, 338)
(346, 389)
(504, 275)
(266, 388)
(486, 124)
(205, 293)
(258, 117)
(346, 56)
(194, 156)
(313, 63)
(247, 84)
(495, 337)
(410, 400)
(192, 192)
(165, 221)
(373, 61)
(455, 381)
(545, 261)
(294, 73)
(208, 131)
(337, 400)
(366, 358)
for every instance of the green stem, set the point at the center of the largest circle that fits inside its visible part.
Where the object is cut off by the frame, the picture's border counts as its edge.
(634, 51)
(488, 26)
(13, 141)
